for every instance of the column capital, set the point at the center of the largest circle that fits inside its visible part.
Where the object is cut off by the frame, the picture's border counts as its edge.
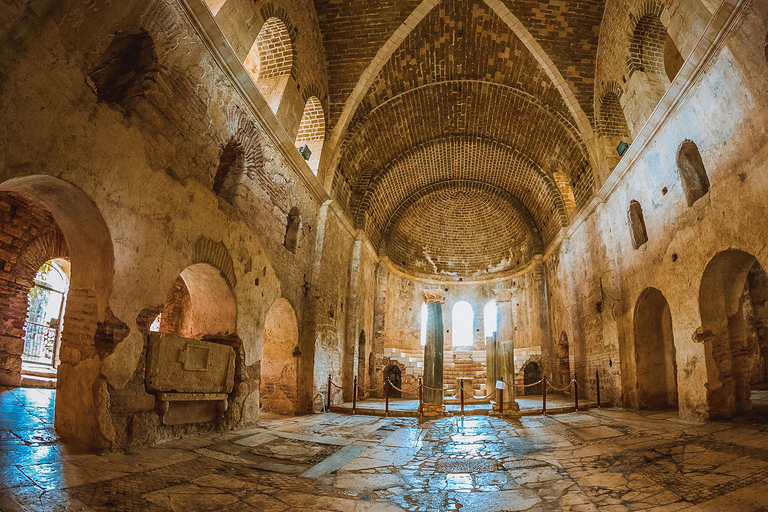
(431, 296)
(503, 294)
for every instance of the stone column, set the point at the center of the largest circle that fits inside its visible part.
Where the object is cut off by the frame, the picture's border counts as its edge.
(505, 346)
(490, 363)
(433, 352)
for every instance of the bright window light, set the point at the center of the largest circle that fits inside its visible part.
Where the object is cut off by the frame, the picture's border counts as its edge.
(424, 316)
(463, 319)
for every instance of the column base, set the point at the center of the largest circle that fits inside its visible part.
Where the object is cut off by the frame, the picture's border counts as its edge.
(433, 410)
(510, 408)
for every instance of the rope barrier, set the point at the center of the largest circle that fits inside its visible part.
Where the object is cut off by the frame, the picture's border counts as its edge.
(563, 389)
(397, 388)
(472, 396)
(339, 387)
(368, 390)
(438, 389)
(528, 385)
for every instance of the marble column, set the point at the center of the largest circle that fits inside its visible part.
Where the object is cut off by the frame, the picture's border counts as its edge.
(490, 363)
(433, 350)
(505, 345)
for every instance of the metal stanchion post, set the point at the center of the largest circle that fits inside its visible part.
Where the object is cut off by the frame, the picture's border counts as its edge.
(386, 397)
(597, 386)
(576, 391)
(354, 395)
(501, 399)
(544, 394)
(461, 392)
(421, 397)
(329, 392)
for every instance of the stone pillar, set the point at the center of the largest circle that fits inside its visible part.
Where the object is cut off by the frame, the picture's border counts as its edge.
(490, 363)
(433, 352)
(505, 346)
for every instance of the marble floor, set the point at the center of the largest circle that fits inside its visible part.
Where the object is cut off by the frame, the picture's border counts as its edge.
(608, 460)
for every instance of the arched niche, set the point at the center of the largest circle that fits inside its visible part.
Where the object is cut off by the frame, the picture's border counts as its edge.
(654, 349)
(312, 131)
(200, 302)
(734, 288)
(278, 362)
(77, 230)
(270, 61)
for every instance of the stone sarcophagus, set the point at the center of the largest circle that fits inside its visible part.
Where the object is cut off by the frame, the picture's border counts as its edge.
(191, 378)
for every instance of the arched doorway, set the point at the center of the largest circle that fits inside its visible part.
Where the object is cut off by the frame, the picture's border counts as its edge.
(199, 303)
(278, 363)
(361, 365)
(531, 374)
(732, 303)
(44, 322)
(654, 346)
(60, 221)
(394, 375)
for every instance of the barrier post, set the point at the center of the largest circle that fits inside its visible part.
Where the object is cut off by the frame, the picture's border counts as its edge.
(461, 391)
(597, 385)
(544, 394)
(576, 391)
(354, 395)
(421, 397)
(329, 392)
(501, 399)
(386, 397)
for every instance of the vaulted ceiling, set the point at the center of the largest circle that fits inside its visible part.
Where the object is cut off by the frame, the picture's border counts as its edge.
(458, 129)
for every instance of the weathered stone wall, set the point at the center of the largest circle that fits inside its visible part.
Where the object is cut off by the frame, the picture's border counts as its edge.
(146, 155)
(599, 277)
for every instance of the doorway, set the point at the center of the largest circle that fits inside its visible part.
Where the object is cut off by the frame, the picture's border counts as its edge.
(531, 374)
(393, 374)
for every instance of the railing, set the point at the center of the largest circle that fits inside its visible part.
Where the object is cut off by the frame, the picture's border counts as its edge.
(461, 392)
(39, 343)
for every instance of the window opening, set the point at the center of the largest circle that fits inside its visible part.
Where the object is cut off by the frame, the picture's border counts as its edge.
(47, 300)
(490, 312)
(463, 319)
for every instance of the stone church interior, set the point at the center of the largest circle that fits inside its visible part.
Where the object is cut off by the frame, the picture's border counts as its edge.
(384, 255)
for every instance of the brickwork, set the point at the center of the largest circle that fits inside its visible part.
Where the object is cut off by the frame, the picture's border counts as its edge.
(28, 238)
(312, 127)
(441, 232)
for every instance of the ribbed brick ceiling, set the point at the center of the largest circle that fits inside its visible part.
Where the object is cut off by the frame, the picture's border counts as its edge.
(453, 233)
(461, 99)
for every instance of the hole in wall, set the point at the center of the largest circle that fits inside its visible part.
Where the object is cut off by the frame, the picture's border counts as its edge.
(664, 191)
(674, 257)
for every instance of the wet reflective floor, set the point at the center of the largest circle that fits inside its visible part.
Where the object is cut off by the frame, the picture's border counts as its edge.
(611, 460)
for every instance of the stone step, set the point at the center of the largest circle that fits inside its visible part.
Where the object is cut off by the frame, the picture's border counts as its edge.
(28, 381)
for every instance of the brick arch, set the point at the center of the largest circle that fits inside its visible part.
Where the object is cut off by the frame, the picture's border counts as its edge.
(645, 27)
(462, 108)
(216, 255)
(485, 160)
(485, 234)
(609, 113)
(269, 10)
(44, 248)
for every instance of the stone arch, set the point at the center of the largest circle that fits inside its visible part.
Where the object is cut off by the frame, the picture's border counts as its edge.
(88, 335)
(241, 159)
(531, 372)
(279, 392)
(312, 131)
(394, 373)
(733, 283)
(693, 175)
(200, 303)
(654, 351)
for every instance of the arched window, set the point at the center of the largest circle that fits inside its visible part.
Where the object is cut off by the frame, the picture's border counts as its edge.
(693, 175)
(637, 224)
(311, 132)
(612, 127)
(490, 312)
(270, 61)
(291, 241)
(424, 317)
(45, 314)
(463, 324)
